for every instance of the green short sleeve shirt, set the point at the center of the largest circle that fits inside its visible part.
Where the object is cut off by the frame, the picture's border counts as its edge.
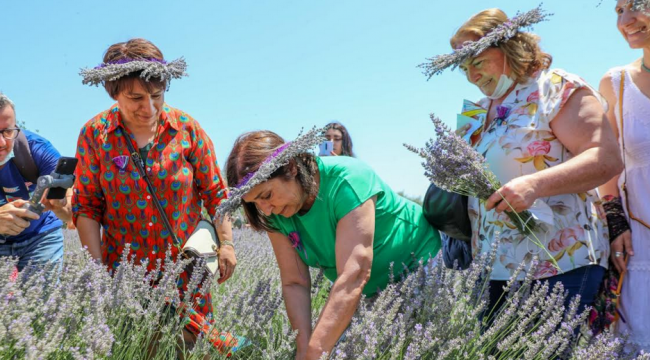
(402, 235)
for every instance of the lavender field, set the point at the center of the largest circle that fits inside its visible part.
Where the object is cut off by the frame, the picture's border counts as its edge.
(433, 314)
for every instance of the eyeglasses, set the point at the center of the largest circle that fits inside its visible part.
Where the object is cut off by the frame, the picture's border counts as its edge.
(10, 133)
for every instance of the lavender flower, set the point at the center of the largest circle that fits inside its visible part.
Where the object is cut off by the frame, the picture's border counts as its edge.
(433, 313)
(501, 33)
(640, 5)
(280, 157)
(250, 175)
(453, 165)
(149, 67)
(637, 5)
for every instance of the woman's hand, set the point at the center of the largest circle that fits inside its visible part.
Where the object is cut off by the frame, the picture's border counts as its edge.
(227, 263)
(622, 244)
(517, 195)
(227, 258)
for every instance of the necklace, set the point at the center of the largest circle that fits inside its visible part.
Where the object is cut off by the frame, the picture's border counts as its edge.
(645, 68)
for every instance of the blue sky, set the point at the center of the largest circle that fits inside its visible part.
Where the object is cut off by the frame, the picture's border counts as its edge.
(283, 65)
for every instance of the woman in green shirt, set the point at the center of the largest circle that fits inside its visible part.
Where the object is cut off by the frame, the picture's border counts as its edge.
(333, 213)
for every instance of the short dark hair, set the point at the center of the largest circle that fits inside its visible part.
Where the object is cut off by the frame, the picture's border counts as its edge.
(133, 49)
(346, 144)
(249, 152)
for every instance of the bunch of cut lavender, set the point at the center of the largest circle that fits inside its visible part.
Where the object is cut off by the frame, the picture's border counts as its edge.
(453, 165)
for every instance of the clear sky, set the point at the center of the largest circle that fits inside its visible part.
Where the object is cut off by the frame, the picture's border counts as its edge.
(282, 64)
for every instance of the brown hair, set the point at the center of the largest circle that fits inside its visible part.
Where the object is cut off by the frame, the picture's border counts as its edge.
(522, 51)
(249, 152)
(346, 144)
(133, 49)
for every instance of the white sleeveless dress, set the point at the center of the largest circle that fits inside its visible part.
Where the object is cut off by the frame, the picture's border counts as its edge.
(635, 294)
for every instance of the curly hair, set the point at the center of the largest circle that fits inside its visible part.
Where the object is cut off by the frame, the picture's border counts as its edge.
(522, 51)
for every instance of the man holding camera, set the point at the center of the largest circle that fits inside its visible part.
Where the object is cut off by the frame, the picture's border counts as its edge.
(23, 157)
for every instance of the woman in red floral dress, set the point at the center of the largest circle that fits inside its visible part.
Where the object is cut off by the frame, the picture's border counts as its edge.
(179, 160)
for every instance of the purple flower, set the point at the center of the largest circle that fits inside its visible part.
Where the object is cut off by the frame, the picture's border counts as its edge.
(294, 237)
(275, 153)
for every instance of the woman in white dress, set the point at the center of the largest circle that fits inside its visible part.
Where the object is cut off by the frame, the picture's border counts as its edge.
(627, 90)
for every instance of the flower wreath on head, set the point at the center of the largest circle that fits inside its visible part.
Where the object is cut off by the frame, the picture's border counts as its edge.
(640, 5)
(637, 5)
(503, 32)
(279, 158)
(149, 67)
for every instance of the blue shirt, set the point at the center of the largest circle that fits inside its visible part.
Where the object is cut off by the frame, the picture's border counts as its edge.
(13, 186)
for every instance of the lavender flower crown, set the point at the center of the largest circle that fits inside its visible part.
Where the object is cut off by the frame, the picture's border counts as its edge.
(503, 32)
(149, 67)
(637, 5)
(640, 5)
(279, 158)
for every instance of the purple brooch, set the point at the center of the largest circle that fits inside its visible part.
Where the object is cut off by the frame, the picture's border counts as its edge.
(120, 162)
(294, 237)
(502, 113)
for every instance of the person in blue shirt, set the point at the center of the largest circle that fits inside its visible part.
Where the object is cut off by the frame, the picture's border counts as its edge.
(23, 234)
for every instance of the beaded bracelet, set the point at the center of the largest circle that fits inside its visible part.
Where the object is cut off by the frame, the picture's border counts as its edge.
(227, 243)
(616, 221)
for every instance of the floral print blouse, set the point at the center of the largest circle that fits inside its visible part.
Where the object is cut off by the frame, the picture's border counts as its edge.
(182, 167)
(521, 143)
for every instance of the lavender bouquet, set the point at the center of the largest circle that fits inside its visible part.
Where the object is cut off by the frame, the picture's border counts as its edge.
(455, 166)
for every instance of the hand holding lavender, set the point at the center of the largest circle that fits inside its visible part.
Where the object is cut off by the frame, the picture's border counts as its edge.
(455, 166)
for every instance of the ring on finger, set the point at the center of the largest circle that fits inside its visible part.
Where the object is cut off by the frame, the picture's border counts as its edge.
(618, 254)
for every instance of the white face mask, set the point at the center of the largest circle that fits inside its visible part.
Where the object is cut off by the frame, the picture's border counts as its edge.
(504, 84)
(7, 159)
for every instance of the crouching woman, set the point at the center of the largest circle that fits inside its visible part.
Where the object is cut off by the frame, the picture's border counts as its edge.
(333, 213)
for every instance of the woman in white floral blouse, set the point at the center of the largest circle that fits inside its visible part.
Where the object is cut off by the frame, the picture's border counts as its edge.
(546, 137)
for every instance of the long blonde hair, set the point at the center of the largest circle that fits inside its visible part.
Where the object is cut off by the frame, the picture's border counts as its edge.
(522, 51)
